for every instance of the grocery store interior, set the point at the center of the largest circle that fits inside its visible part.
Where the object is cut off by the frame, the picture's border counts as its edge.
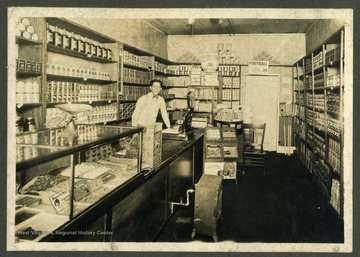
(246, 144)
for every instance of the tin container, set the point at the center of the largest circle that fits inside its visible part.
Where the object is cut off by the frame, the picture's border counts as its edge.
(28, 66)
(38, 67)
(22, 65)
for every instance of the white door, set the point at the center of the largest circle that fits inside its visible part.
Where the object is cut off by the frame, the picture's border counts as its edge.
(261, 94)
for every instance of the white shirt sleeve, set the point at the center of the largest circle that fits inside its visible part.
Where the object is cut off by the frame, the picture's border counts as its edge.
(140, 105)
(164, 114)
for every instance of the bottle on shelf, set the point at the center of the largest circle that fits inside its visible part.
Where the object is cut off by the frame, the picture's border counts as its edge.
(105, 53)
(65, 39)
(49, 34)
(57, 37)
(81, 44)
(87, 46)
(73, 42)
(109, 54)
(99, 50)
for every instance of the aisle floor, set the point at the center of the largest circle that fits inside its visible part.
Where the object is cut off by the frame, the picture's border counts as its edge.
(284, 205)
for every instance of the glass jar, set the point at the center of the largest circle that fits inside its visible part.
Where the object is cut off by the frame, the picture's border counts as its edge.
(81, 44)
(57, 37)
(93, 48)
(87, 46)
(73, 42)
(99, 52)
(49, 34)
(65, 39)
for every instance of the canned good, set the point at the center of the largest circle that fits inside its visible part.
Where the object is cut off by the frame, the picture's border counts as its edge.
(28, 66)
(22, 65)
(35, 97)
(33, 66)
(29, 87)
(19, 153)
(20, 87)
(35, 152)
(27, 152)
(21, 27)
(25, 21)
(36, 87)
(20, 139)
(30, 29)
(27, 138)
(26, 34)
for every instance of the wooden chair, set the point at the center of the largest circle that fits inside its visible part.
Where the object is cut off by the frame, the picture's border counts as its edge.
(253, 141)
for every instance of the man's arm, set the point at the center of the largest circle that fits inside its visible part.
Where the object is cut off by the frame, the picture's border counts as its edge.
(138, 109)
(164, 114)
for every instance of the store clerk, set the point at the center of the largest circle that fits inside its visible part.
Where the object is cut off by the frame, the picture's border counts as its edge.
(148, 106)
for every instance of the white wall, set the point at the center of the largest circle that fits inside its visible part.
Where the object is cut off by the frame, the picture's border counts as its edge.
(321, 31)
(134, 32)
(283, 49)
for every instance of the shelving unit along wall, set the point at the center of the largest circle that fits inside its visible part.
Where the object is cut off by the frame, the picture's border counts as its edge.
(319, 117)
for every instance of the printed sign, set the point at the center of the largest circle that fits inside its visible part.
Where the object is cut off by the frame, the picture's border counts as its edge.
(60, 200)
(258, 67)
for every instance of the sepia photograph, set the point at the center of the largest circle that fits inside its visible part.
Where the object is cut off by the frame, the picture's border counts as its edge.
(179, 130)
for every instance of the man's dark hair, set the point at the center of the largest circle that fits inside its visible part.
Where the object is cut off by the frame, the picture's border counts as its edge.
(156, 80)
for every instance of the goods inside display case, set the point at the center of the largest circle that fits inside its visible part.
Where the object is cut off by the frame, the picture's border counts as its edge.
(57, 182)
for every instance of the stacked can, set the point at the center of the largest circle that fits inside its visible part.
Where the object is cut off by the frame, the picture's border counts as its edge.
(25, 29)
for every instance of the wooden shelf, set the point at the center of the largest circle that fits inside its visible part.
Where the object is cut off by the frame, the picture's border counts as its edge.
(135, 84)
(99, 102)
(136, 67)
(77, 79)
(79, 29)
(26, 41)
(333, 64)
(127, 101)
(333, 88)
(28, 105)
(165, 87)
(64, 51)
(28, 73)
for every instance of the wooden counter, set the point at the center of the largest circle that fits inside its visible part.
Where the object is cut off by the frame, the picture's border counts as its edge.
(138, 210)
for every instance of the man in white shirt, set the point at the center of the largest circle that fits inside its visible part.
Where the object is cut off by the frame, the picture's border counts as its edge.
(148, 106)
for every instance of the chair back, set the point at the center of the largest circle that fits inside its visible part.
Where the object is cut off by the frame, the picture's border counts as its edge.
(253, 136)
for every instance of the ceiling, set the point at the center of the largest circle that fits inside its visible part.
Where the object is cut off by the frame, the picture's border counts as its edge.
(230, 26)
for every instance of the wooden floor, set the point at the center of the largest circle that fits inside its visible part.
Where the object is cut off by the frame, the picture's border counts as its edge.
(285, 205)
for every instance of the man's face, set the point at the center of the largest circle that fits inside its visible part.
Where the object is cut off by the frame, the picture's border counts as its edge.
(155, 88)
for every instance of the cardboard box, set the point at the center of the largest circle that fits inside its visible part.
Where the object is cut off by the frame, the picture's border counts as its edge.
(152, 146)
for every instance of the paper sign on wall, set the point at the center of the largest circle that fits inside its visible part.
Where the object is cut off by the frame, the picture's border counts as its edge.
(258, 67)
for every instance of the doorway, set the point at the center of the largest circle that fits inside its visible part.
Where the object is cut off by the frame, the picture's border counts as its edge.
(260, 93)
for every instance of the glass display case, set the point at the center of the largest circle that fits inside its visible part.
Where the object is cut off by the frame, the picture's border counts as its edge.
(57, 181)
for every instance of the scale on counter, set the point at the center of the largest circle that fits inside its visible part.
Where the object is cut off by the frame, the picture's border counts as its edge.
(182, 129)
